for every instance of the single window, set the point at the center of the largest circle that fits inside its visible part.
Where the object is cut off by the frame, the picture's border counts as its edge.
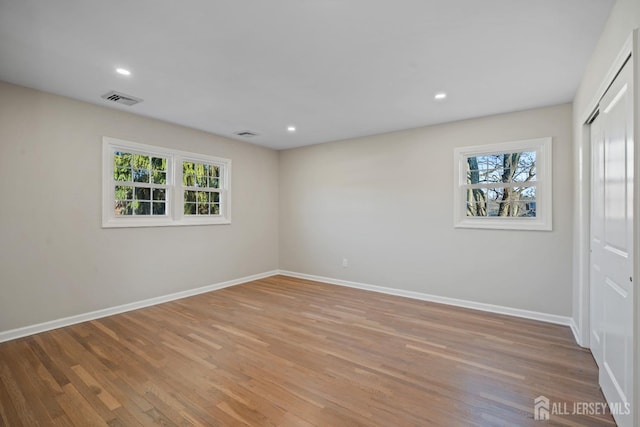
(150, 186)
(201, 188)
(140, 184)
(504, 186)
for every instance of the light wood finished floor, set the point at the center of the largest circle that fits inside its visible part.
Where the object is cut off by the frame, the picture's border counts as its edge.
(289, 352)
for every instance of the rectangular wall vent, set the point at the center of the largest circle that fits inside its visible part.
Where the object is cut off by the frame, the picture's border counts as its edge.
(121, 98)
(246, 134)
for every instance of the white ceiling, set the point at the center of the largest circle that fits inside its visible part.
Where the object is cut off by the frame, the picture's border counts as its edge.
(333, 68)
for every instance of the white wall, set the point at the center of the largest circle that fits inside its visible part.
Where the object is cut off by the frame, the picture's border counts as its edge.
(57, 261)
(624, 18)
(385, 202)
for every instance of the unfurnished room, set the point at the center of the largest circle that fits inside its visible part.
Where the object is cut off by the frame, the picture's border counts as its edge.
(319, 213)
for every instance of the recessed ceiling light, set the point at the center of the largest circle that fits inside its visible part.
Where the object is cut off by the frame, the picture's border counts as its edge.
(291, 128)
(440, 96)
(123, 71)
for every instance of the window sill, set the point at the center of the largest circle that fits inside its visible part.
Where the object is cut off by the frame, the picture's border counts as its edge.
(163, 222)
(525, 224)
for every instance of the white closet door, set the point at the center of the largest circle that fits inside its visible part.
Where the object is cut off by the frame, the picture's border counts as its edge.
(612, 282)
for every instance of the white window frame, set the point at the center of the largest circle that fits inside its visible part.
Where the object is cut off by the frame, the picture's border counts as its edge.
(175, 190)
(543, 218)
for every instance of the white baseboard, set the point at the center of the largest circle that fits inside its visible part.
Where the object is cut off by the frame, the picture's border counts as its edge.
(516, 312)
(71, 320)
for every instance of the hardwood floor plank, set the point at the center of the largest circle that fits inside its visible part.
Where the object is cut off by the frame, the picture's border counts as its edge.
(20, 394)
(7, 409)
(290, 352)
(107, 399)
(78, 409)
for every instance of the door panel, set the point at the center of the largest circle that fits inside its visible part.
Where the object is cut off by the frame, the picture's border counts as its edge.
(612, 244)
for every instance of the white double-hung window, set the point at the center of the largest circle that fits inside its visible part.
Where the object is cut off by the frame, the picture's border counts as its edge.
(504, 186)
(144, 185)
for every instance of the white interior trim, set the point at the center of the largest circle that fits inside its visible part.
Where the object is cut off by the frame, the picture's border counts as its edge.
(491, 308)
(613, 71)
(575, 330)
(636, 222)
(79, 318)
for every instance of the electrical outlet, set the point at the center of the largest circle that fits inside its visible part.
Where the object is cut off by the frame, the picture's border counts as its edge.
(345, 262)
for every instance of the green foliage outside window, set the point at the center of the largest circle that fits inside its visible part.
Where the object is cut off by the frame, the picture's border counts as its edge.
(204, 179)
(132, 172)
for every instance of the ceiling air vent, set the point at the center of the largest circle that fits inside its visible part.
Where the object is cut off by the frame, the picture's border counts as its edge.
(121, 98)
(246, 134)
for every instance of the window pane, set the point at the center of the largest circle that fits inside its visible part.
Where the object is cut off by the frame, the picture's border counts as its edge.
(159, 208)
(516, 209)
(495, 174)
(123, 192)
(510, 163)
(494, 161)
(123, 208)
(501, 194)
(188, 174)
(473, 177)
(122, 174)
(473, 172)
(495, 194)
(143, 193)
(159, 177)
(501, 167)
(159, 194)
(483, 163)
(141, 162)
(504, 201)
(512, 167)
(526, 167)
(201, 169)
(189, 180)
(190, 196)
(526, 193)
(122, 160)
(159, 164)
(476, 209)
(524, 209)
(214, 183)
(203, 197)
(203, 209)
(477, 202)
(142, 208)
(214, 171)
(486, 168)
(201, 181)
(140, 175)
(492, 208)
(508, 194)
(214, 197)
(215, 209)
(189, 208)
(512, 201)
